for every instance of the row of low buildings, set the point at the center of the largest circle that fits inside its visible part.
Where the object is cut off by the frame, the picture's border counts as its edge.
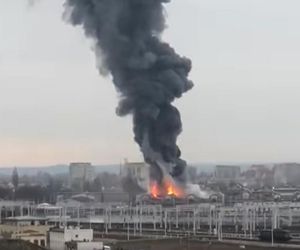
(260, 175)
(237, 193)
(254, 183)
(38, 231)
(276, 182)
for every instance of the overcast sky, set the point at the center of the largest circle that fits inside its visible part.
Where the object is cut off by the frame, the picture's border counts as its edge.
(55, 108)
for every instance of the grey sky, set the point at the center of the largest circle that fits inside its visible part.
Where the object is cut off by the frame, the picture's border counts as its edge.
(55, 108)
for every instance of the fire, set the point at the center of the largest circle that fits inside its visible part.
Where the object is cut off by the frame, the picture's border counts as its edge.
(154, 190)
(167, 188)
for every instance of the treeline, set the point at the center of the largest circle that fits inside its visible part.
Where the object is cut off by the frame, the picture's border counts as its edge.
(44, 188)
(34, 193)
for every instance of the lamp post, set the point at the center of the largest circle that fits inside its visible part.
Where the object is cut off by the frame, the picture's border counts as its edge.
(128, 234)
(273, 223)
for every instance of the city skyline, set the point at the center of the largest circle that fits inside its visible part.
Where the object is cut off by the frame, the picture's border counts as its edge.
(55, 108)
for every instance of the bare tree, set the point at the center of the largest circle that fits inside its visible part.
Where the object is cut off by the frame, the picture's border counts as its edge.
(15, 178)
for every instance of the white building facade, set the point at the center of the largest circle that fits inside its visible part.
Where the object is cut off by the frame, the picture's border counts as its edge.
(59, 237)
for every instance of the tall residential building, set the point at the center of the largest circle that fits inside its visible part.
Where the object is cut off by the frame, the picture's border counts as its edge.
(137, 172)
(287, 174)
(258, 176)
(227, 173)
(81, 173)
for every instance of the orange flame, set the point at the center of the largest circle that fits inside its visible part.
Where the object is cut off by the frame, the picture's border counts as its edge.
(167, 188)
(154, 190)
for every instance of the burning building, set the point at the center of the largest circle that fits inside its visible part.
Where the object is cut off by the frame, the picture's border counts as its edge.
(167, 188)
(148, 75)
(135, 180)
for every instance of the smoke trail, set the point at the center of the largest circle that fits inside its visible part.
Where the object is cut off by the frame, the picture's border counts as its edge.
(147, 72)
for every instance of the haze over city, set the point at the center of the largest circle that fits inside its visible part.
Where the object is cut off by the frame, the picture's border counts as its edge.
(55, 108)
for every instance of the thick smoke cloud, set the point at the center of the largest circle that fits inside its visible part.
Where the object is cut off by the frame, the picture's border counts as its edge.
(146, 72)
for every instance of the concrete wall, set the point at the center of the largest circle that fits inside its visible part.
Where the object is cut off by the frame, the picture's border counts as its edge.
(18, 245)
(89, 245)
(18, 229)
(57, 241)
(40, 240)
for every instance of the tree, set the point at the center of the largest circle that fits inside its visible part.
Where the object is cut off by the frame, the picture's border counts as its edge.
(5, 192)
(37, 194)
(97, 184)
(15, 178)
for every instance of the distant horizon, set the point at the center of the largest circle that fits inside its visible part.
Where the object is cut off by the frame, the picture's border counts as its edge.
(120, 163)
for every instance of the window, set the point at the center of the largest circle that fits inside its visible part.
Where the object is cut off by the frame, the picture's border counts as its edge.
(43, 243)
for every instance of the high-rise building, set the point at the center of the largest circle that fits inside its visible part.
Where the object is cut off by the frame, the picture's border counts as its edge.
(227, 173)
(287, 174)
(81, 173)
(137, 172)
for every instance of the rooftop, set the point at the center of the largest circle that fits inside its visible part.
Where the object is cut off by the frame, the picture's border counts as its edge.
(26, 218)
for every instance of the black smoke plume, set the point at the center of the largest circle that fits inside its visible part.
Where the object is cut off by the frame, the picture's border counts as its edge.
(146, 71)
